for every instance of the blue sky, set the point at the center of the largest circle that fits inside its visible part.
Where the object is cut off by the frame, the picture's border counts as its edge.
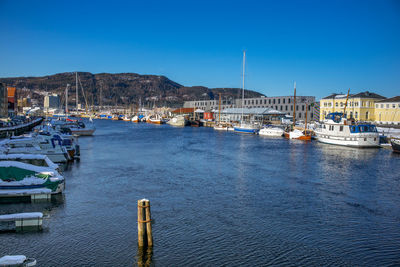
(325, 46)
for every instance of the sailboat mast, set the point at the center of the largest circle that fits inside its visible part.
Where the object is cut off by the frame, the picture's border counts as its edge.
(244, 64)
(345, 105)
(294, 106)
(76, 92)
(66, 101)
(219, 109)
(306, 118)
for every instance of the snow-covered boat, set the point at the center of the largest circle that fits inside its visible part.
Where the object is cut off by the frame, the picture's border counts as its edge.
(337, 130)
(33, 159)
(17, 261)
(17, 177)
(271, 131)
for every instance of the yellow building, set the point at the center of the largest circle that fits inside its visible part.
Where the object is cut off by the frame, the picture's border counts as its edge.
(388, 111)
(360, 106)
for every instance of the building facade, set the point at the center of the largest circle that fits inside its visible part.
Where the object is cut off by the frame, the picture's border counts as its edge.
(360, 107)
(387, 111)
(284, 104)
(51, 101)
(12, 100)
(3, 101)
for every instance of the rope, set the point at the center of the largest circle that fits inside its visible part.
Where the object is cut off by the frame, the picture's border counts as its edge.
(146, 221)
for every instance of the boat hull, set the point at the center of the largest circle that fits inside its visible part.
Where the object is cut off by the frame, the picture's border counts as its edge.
(395, 145)
(361, 142)
(245, 130)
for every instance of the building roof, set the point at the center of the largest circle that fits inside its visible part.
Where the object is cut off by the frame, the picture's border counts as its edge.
(365, 94)
(183, 110)
(390, 100)
(11, 91)
(253, 111)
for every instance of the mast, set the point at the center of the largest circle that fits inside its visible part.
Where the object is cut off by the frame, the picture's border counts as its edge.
(219, 109)
(306, 120)
(345, 105)
(76, 92)
(294, 106)
(66, 101)
(244, 64)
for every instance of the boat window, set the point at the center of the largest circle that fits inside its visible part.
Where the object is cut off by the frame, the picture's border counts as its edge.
(341, 128)
(352, 129)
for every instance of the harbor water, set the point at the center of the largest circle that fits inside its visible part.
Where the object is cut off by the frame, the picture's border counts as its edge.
(218, 199)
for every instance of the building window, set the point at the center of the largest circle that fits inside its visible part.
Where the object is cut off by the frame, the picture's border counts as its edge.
(387, 105)
(274, 101)
(366, 115)
(286, 108)
(291, 108)
(279, 101)
(256, 102)
(302, 107)
(288, 100)
(283, 101)
(269, 101)
(265, 101)
(356, 115)
(341, 128)
(351, 114)
(252, 102)
(281, 107)
(393, 105)
(299, 115)
(337, 104)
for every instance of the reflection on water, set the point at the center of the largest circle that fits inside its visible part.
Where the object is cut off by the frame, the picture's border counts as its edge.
(219, 198)
(144, 256)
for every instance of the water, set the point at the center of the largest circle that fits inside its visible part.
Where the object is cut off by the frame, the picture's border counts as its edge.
(218, 199)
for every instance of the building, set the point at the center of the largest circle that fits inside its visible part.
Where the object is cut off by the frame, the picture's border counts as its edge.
(387, 111)
(262, 115)
(3, 101)
(360, 106)
(284, 104)
(51, 101)
(12, 100)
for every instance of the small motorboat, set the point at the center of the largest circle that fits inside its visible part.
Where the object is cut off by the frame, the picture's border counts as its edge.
(271, 131)
(395, 145)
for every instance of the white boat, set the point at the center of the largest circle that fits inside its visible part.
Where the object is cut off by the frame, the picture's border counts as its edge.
(178, 121)
(221, 127)
(337, 130)
(17, 261)
(30, 145)
(271, 131)
(33, 159)
(135, 119)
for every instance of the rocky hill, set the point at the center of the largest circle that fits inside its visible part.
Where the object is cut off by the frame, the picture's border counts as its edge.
(120, 89)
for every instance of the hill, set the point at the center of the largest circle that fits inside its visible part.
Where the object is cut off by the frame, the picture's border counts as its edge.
(121, 89)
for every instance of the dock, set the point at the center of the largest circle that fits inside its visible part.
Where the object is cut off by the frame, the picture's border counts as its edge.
(22, 221)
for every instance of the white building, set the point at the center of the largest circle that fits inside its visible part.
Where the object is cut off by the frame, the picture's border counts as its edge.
(281, 103)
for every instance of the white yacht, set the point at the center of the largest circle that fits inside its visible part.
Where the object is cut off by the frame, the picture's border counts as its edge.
(271, 131)
(337, 130)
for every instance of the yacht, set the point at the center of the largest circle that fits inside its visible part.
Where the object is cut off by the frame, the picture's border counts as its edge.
(271, 131)
(395, 145)
(178, 121)
(337, 130)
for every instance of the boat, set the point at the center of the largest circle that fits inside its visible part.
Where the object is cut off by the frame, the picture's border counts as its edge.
(17, 261)
(135, 119)
(18, 177)
(221, 127)
(271, 131)
(33, 159)
(296, 133)
(52, 148)
(395, 145)
(337, 130)
(179, 120)
(245, 127)
(155, 119)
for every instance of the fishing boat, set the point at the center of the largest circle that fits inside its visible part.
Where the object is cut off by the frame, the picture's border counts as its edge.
(271, 131)
(179, 120)
(17, 261)
(17, 177)
(245, 127)
(135, 119)
(155, 119)
(395, 145)
(296, 133)
(337, 130)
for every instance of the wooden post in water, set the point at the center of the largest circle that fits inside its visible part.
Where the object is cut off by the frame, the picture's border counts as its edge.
(149, 231)
(141, 218)
(145, 233)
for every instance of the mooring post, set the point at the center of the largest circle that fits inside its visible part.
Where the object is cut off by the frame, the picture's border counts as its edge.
(141, 219)
(149, 231)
